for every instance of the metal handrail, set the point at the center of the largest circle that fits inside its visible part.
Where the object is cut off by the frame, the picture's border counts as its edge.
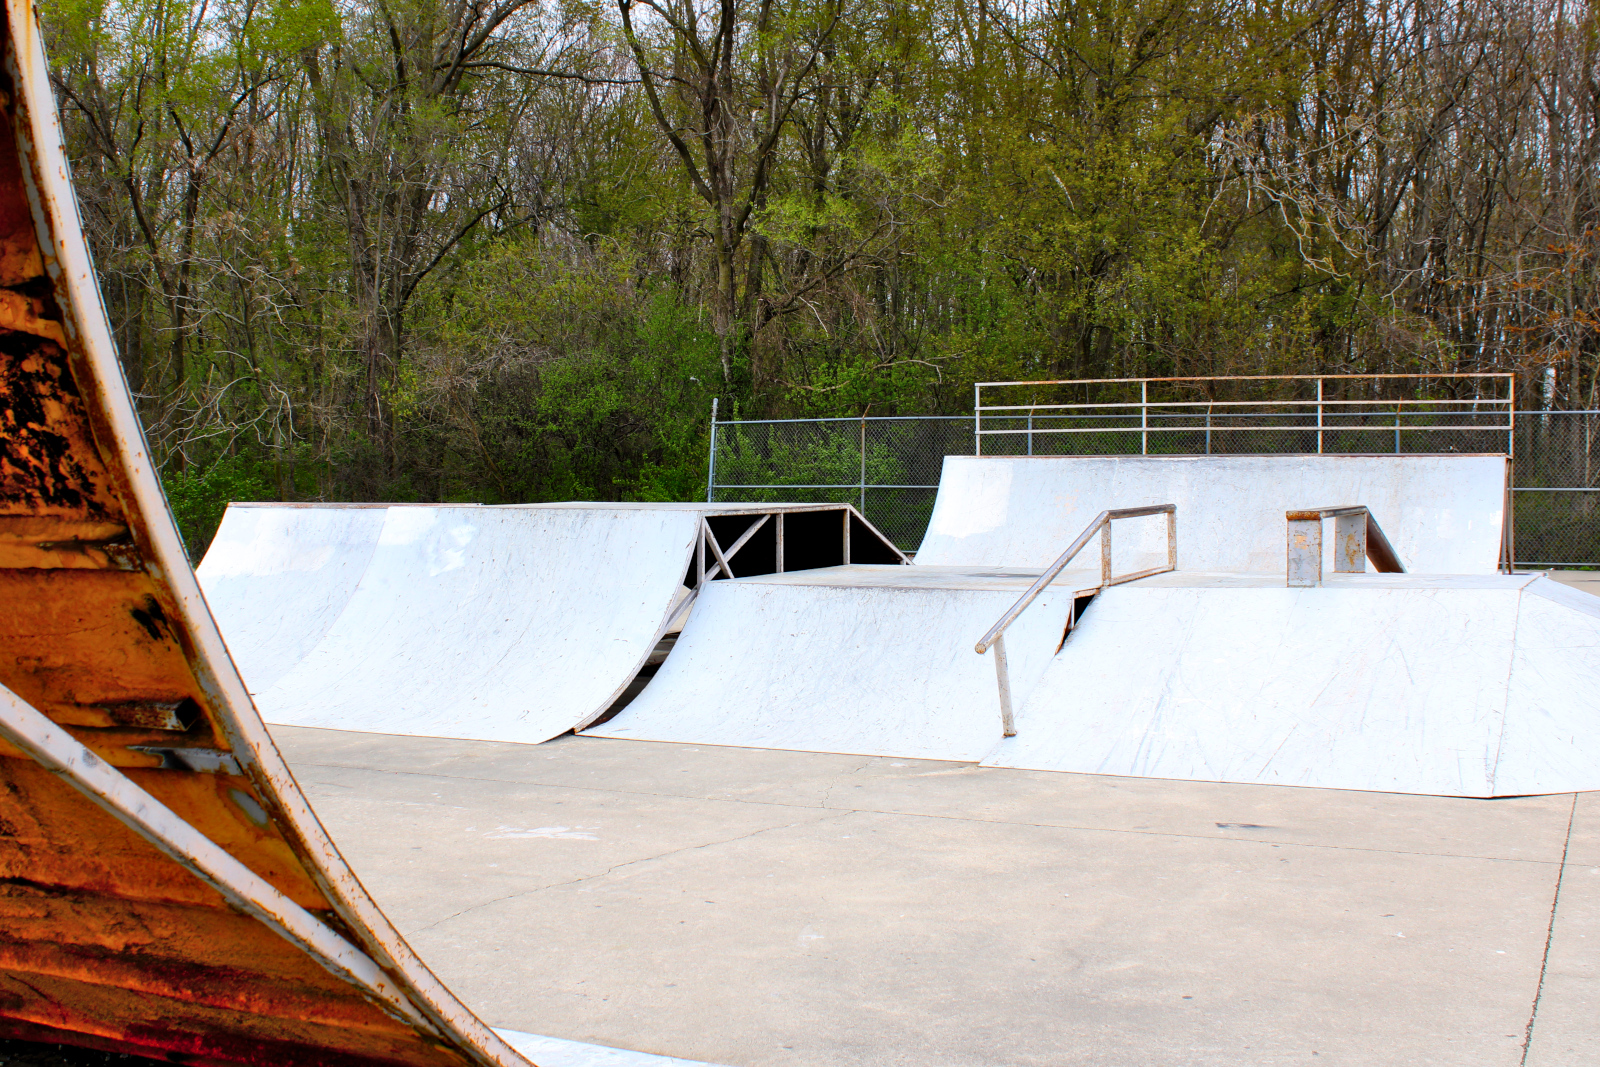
(996, 637)
(1357, 538)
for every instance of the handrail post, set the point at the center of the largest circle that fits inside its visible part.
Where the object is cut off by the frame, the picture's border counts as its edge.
(1105, 553)
(1305, 552)
(1350, 543)
(1002, 673)
(1172, 540)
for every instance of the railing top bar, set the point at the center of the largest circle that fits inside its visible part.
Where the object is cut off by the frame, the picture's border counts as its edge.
(1307, 514)
(1499, 402)
(1133, 513)
(1252, 378)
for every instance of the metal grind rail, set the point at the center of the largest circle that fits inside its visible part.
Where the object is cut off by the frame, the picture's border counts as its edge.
(996, 637)
(1357, 537)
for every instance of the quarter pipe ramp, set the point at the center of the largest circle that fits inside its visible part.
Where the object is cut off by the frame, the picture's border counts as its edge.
(484, 623)
(1442, 513)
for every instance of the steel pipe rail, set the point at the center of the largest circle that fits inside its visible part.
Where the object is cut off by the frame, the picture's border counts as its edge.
(995, 638)
(1357, 538)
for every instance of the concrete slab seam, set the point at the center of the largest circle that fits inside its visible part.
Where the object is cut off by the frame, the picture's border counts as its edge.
(1550, 933)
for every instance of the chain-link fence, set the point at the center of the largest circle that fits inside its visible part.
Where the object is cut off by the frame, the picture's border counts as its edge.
(889, 467)
(1554, 486)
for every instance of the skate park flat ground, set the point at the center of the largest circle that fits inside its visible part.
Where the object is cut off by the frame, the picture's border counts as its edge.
(754, 907)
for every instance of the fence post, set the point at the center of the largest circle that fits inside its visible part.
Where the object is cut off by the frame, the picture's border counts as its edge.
(863, 471)
(1144, 418)
(711, 466)
(1319, 416)
(977, 419)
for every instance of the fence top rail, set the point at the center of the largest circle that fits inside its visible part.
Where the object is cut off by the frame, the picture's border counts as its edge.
(840, 418)
(1253, 378)
(1503, 401)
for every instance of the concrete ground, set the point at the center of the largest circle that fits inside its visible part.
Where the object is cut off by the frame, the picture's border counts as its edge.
(753, 907)
(1588, 581)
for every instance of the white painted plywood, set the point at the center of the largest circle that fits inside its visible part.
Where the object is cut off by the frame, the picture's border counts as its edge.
(870, 660)
(277, 578)
(1552, 730)
(1462, 687)
(1442, 513)
(496, 624)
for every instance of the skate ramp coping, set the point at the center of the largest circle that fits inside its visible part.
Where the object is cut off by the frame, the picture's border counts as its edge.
(1444, 514)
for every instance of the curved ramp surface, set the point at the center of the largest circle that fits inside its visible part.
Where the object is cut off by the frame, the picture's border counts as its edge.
(875, 660)
(1457, 686)
(276, 578)
(1443, 514)
(164, 886)
(492, 624)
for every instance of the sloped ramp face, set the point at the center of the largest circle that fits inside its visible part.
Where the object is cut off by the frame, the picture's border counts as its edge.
(494, 624)
(277, 577)
(1443, 514)
(164, 887)
(867, 660)
(1466, 686)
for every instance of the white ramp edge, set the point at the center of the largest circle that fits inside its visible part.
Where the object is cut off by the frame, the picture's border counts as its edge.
(277, 578)
(491, 624)
(1469, 686)
(865, 660)
(559, 1052)
(1442, 513)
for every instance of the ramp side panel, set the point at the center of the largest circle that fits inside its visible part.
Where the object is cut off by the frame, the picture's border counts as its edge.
(1357, 688)
(491, 624)
(105, 940)
(870, 671)
(1443, 514)
(276, 580)
(1551, 742)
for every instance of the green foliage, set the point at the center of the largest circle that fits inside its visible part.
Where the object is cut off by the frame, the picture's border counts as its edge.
(199, 497)
(348, 281)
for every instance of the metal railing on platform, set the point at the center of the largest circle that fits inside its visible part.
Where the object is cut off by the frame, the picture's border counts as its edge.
(996, 637)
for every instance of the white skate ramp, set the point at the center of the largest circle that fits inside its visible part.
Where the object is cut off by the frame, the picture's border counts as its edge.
(874, 660)
(276, 578)
(495, 624)
(1443, 514)
(1458, 686)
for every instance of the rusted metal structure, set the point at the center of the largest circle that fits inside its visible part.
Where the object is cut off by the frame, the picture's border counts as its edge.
(1357, 537)
(165, 888)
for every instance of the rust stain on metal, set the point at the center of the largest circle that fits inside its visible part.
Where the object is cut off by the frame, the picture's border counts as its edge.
(106, 939)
